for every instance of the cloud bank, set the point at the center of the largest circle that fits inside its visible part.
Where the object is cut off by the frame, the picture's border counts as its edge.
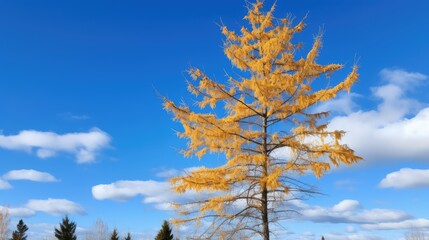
(351, 212)
(348, 211)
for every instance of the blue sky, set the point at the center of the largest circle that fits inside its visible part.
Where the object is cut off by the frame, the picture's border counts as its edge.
(83, 131)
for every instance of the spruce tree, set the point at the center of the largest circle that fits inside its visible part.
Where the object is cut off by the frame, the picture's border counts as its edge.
(67, 230)
(165, 232)
(15, 236)
(19, 234)
(115, 235)
(323, 238)
(128, 237)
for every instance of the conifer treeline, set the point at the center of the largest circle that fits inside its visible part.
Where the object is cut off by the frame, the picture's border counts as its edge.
(67, 231)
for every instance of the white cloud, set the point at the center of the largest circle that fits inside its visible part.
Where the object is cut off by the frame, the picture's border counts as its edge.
(406, 178)
(342, 104)
(351, 236)
(4, 184)
(41, 231)
(19, 211)
(347, 211)
(346, 205)
(51, 206)
(168, 173)
(84, 145)
(55, 206)
(29, 174)
(124, 190)
(159, 193)
(402, 78)
(406, 224)
(397, 129)
(351, 212)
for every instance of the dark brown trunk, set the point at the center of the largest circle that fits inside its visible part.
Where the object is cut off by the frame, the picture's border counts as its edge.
(265, 225)
(264, 192)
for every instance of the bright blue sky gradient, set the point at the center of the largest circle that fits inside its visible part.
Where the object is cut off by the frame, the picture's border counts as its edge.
(81, 66)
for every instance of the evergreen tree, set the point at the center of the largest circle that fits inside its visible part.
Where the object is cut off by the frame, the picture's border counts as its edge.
(165, 232)
(15, 236)
(19, 234)
(128, 237)
(67, 230)
(115, 235)
(323, 238)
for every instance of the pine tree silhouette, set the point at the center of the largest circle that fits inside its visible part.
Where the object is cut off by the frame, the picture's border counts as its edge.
(115, 235)
(19, 234)
(165, 232)
(128, 237)
(67, 230)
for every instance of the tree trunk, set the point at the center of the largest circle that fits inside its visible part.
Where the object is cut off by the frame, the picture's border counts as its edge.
(265, 223)
(265, 226)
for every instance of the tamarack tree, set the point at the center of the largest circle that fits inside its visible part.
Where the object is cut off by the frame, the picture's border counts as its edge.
(268, 109)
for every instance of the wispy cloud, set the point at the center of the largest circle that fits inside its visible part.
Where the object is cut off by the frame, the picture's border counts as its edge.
(125, 190)
(351, 236)
(347, 211)
(83, 145)
(25, 174)
(71, 116)
(19, 211)
(167, 173)
(351, 212)
(406, 224)
(406, 178)
(159, 193)
(171, 172)
(55, 206)
(30, 175)
(343, 104)
(4, 184)
(51, 206)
